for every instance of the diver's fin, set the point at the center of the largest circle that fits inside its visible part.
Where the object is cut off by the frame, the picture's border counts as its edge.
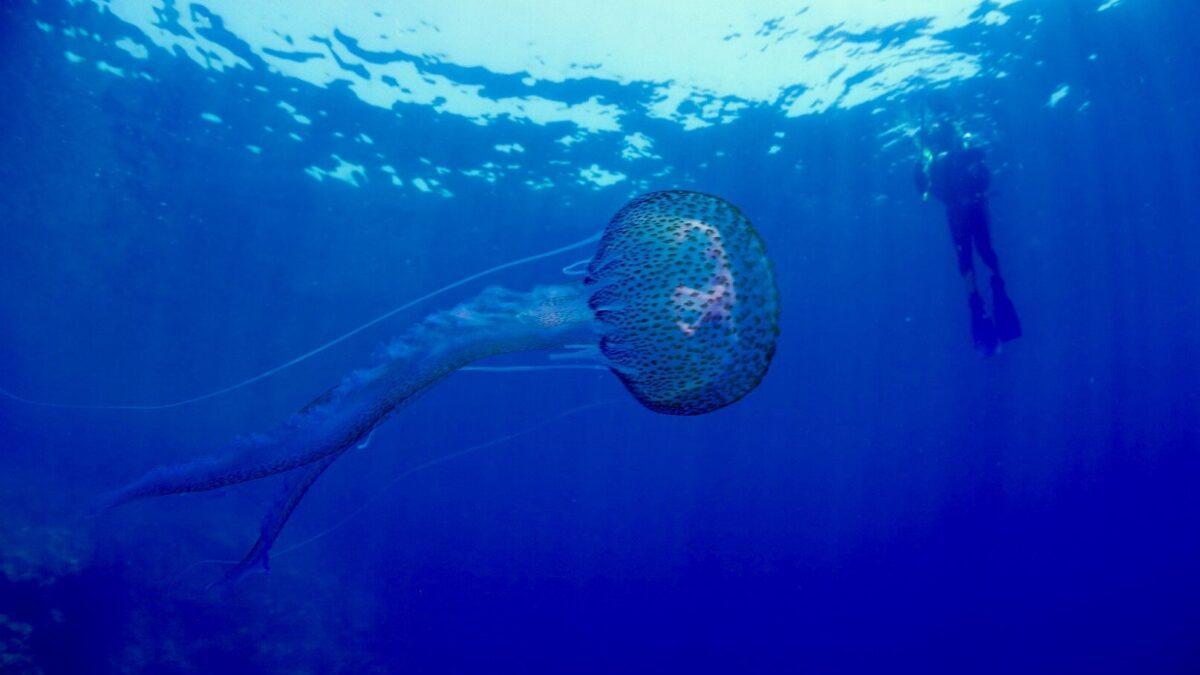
(1008, 326)
(294, 489)
(983, 331)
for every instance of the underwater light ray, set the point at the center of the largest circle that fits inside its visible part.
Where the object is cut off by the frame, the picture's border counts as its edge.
(315, 351)
(679, 302)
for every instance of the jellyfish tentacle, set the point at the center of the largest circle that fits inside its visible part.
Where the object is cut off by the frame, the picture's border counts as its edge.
(577, 268)
(498, 321)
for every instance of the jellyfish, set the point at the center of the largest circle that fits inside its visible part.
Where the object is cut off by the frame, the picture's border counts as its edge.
(679, 302)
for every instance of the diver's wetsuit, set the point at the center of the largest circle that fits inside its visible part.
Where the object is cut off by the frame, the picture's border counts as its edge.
(959, 178)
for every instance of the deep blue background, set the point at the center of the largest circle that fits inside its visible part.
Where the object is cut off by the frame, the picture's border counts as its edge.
(886, 500)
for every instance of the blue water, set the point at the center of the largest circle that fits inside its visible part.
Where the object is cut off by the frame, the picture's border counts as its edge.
(886, 500)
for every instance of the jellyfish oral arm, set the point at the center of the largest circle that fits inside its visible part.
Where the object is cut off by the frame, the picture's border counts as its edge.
(272, 524)
(498, 321)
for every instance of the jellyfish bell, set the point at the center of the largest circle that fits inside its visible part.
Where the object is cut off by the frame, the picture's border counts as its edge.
(687, 302)
(679, 302)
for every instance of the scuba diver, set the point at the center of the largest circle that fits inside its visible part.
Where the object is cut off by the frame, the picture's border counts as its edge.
(953, 172)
